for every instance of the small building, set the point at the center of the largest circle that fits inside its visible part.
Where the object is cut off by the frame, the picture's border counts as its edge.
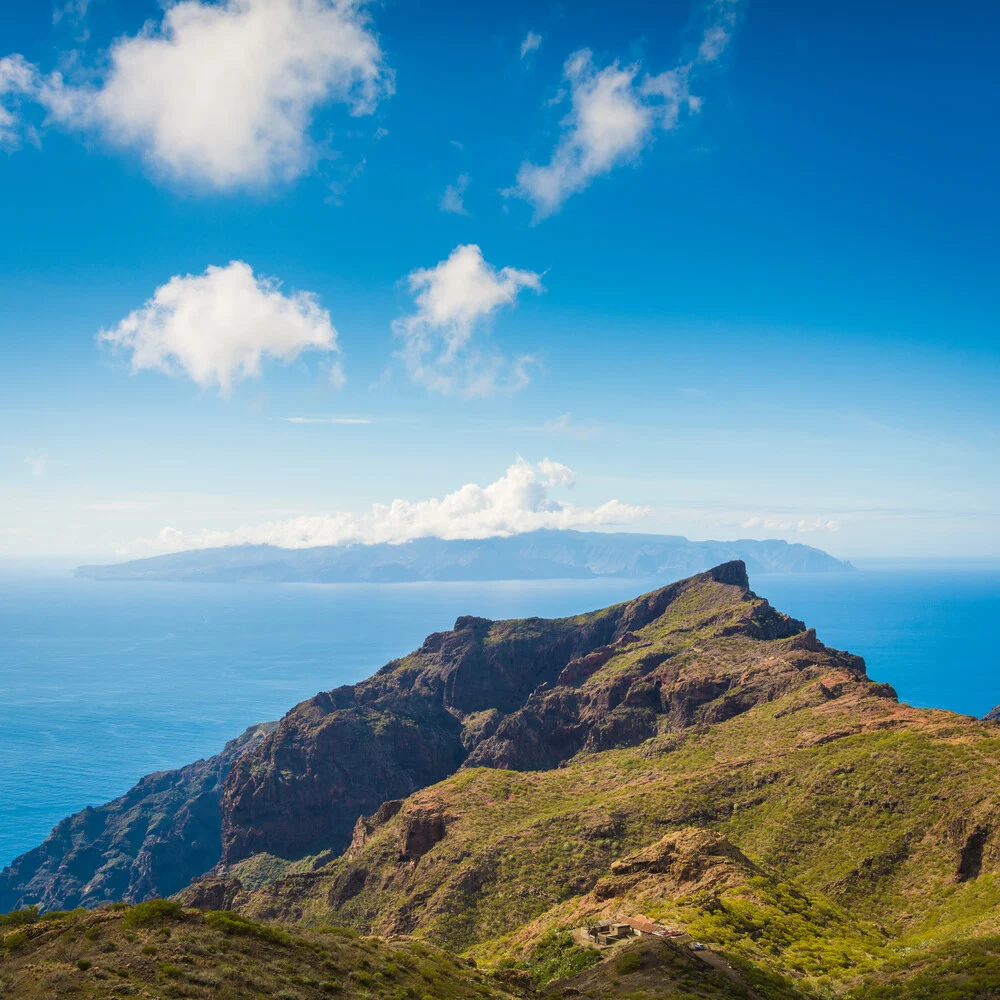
(608, 933)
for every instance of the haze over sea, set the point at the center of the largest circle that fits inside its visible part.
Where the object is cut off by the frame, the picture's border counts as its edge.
(106, 682)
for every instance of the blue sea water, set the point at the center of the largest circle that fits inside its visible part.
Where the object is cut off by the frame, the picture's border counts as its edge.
(105, 682)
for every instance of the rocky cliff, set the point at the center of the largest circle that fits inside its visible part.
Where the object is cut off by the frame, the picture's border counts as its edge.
(152, 841)
(523, 694)
(526, 695)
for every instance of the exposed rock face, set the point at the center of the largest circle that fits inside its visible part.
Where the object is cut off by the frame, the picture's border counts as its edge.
(211, 893)
(525, 695)
(150, 842)
(993, 715)
(690, 860)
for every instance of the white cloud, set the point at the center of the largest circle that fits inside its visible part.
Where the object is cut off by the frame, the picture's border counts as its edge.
(37, 464)
(517, 502)
(611, 120)
(564, 424)
(17, 80)
(225, 93)
(722, 17)
(802, 525)
(218, 327)
(451, 200)
(75, 10)
(532, 40)
(615, 112)
(454, 300)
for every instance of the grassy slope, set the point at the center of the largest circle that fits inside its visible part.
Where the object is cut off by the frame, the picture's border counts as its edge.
(157, 950)
(851, 810)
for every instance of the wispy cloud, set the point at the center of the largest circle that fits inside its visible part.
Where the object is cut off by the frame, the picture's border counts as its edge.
(442, 340)
(532, 40)
(327, 420)
(802, 525)
(564, 424)
(224, 94)
(38, 464)
(453, 198)
(122, 506)
(518, 501)
(218, 327)
(615, 112)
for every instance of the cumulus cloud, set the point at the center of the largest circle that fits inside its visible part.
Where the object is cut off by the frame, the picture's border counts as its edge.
(225, 93)
(611, 119)
(217, 328)
(454, 301)
(615, 112)
(532, 40)
(518, 501)
(452, 199)
(803, 525)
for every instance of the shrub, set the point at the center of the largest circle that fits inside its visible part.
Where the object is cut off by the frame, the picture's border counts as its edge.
(631, 961)
(14, 941)
(153, 912)
(556, 957)
(17, 918)
(236, 925)
(148, 949)
(82, 964)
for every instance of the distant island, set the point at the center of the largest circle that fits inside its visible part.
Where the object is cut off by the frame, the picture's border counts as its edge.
(536, 555)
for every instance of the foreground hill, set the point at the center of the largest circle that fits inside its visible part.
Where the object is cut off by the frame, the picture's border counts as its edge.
(537, 555)
(157, 950)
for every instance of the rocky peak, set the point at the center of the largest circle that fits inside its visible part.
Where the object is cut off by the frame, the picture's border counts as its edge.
(526, 694)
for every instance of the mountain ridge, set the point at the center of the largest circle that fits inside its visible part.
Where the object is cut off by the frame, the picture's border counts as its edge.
(537, 555)
(692, 759)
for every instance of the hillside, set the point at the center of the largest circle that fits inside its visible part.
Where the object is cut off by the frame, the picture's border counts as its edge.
(692, 757)
(157, 950)
(151, 841)
(537, 555)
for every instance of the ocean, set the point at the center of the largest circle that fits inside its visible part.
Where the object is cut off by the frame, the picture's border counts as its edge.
(105, 682)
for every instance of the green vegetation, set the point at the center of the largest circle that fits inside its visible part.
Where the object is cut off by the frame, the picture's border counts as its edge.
(845, 813)
(822, 841)
(152, 913)
(222, 956)
(557, 957)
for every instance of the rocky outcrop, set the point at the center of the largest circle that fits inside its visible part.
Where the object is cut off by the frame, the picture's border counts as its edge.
(525, 695)
(150, 842)
(367, 825)
(689, 860)
(993, 715)
(211, 893)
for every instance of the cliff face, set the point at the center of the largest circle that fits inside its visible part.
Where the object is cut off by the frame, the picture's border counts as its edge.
(525, 695)
(152, 841)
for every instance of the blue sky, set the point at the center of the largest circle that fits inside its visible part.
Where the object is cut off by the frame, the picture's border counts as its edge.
(752, 295)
